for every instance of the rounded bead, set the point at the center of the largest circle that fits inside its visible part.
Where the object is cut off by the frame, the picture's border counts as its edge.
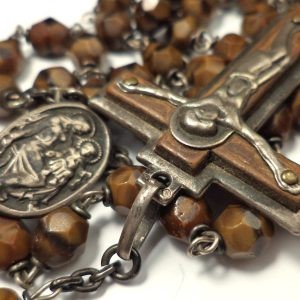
(203, 69)
(162, 59)
(7, 294)
(49, 38)
(183, 30)
(248, 5)
(280, 125)
(111, 6)
(245, 233)
(7, 86)
(199, 8)
(124, 188)
(259, 18)
(59, 237)
(182, 216)
(138, 70)
(87, 50)
(93, 87)
(14, 242)
(112, 28)
(11, 58)
(295, 105)
(230, 46)
(55, 77)
(149, 15)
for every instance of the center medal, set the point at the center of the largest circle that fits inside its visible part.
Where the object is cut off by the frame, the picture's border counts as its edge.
(50, 157)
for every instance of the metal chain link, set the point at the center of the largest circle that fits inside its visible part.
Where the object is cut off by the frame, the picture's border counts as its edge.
(204, 241)
(88, 279)
(18, 101)
(26, 271)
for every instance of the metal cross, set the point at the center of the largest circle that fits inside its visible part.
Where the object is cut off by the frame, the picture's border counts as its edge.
(213, 139)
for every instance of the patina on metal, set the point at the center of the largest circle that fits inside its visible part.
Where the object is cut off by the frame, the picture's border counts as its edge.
(50, 157)
(213, 139)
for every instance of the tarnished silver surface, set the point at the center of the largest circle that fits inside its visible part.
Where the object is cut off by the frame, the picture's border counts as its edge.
(142, 216)
(49, 157)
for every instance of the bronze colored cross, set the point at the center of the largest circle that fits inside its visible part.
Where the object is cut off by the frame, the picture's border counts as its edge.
(213, 139)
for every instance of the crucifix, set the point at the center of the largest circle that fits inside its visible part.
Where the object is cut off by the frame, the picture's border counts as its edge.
(213, 138)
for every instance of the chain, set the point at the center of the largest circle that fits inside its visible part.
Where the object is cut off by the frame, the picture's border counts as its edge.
(25, 272)
(204, 241)
(88, 279)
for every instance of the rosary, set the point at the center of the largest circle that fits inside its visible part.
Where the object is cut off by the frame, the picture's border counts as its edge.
(212, 113)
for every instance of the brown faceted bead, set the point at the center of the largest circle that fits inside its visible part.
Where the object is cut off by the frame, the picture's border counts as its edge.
(245, 233)
(183, 29)
(7, 86)
(162, 59)
(7, 294)
(124, 188)
(203, 69)
(59, 237)
(111, 28)
(248, 5)
(181, 217)
(280, 124)
(255, 21)
(49, 38)
(149, 15)
(295, 105)
(138, 70)
(11, 58)
(87, 50)
(55, 77)
(230, 46)
(93, 87)
(14, 242)
(110, 6)
(160, 9)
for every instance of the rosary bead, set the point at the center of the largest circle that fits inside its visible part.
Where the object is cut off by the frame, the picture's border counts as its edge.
(183, 29)
(7, 294)
(149, 15)
(93, 87)
(248, 6)
(296, 108)
(59, 237)
(201, 70)
(255, 21)
(110, 6)
(14, 242)
(162, 59)
(55, 77)
(86, 51)
(124, 188)
(11, 58)
(230, 46)
(138, 70)
(112, 28)
(245, 233)
(181, 217)
(49, 38)
(280, 125)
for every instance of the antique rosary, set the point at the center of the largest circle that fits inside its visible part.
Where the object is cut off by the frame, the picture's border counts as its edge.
(212, 113)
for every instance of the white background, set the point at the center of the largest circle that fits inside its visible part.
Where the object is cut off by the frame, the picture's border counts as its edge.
(167, 272)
